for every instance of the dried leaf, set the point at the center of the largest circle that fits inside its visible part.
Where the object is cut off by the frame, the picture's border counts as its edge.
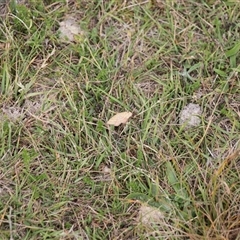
(189, 116)
(149, 215)
(119, 118)
(69, 29)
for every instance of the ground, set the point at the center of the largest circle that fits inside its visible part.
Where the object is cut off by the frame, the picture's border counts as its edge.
(68, 67)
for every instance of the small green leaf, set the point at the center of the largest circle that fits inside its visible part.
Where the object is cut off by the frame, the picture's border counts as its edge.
(194, 67)
(234, 50)
(233, 61)
(139, 196)
(162, 204)
(175, 183)
(171, 176)
(100, 125)
(220, 72)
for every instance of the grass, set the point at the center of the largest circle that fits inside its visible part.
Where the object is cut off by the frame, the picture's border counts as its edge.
(65, 174)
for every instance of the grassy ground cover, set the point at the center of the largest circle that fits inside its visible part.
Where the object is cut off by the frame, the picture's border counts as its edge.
(66, 174)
